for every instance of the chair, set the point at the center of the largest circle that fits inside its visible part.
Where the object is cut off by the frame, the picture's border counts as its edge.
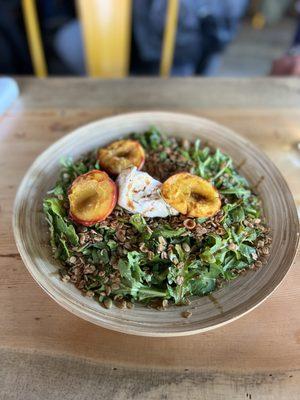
(106, 26)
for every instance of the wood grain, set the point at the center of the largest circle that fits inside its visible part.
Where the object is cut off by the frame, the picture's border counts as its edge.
(265, 111)
(51, 376)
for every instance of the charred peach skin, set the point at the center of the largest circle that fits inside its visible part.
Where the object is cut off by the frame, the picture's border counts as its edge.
(120, 155)
(92, 197)
(191, 195)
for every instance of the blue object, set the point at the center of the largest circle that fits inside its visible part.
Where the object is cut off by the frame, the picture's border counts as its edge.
(9, 92)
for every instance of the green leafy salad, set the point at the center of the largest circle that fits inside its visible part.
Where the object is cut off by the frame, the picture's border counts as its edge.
(128, 258)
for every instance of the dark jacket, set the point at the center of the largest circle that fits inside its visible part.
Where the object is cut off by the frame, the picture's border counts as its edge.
(205, 27)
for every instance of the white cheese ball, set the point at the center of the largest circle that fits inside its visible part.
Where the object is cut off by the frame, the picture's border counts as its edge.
(139, 193)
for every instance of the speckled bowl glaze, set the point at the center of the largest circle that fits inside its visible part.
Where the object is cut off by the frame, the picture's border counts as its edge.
(228, 303)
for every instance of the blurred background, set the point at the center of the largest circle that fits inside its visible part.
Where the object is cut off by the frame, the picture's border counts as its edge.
(117, 38)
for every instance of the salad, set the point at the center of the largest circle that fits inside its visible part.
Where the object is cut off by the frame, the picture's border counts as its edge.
(154, 219)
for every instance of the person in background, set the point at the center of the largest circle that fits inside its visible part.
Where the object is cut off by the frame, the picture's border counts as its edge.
(14, 52)
(14, 56)
(56, 18)
(205, 28)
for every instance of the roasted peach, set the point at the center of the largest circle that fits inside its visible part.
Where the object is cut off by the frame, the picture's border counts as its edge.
(92, 197)
(120, 155)
(191, 195)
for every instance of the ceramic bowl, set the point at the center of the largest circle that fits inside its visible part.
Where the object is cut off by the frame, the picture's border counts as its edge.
(228, 303)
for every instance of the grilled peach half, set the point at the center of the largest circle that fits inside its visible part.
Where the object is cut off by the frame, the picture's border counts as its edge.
(191, 195)
(121, 155)
(92, 197)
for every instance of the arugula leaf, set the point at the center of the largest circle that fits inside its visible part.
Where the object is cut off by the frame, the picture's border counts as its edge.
(103, 255)
(73, 169)
(66, 229)
(153, 138)
(130, 268)
(206, 282)
(178, 293)
(58, 190)
(239, 192)
(229, 262)
(181, 254)
(163, 156)
(49, 219)
(60, 230)
(125, 270)
(141, 292)
(112, 244)
(237, 214)
(203, 285)
(138, 221)
(63, 251)
(134, 260)
(95, 256)
(247, 251)
(201, 220)
(167, 232)
(54, 206)
(133, 276)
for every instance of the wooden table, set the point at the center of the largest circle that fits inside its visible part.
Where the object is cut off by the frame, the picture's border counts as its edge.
(46, 351)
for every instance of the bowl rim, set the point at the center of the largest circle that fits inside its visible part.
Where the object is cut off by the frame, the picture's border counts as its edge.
(72, 305)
